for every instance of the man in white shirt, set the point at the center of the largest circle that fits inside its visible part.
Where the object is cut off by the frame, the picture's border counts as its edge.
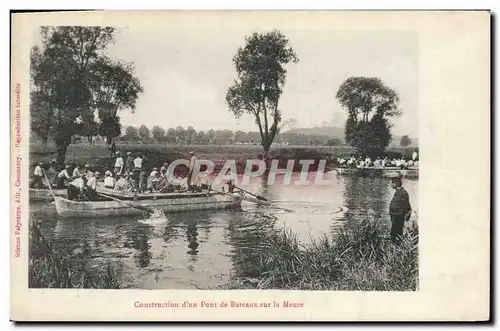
(77, 172)
(139, 172)
(152, 180)
(109, 181)
(88, 172)
(75, 188)
(63, 177)
(118, 164)
(90, 189)
(192, 165)
(414, 156)
(37, 176)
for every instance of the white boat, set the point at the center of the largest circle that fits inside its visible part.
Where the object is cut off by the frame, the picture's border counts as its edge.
(168, 202)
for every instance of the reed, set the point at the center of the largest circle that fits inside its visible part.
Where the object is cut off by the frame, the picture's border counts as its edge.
(359, 257)
(49, 267)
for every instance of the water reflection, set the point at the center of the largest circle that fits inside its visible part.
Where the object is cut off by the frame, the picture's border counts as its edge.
(202, 249)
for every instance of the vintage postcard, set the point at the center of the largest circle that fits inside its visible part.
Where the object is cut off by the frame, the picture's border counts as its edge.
(250, 166)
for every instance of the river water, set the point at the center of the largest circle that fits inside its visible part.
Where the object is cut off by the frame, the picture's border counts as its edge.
(202, 249)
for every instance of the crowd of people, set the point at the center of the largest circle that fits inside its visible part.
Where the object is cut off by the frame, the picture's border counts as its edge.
(129, 174)
(367, 162)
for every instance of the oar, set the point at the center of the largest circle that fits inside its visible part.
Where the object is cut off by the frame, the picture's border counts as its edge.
(146, 209)
(48, 184)
(250, 193)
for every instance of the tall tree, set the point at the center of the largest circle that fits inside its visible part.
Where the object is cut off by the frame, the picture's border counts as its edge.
(405, 141)
(201, 138)
(131, 134)
(73, 80)
(369, 104)
(158, 133)
(171, 136)
(180, 134)
(144, 133)
(210, 136)
(261, 69)
(190, 135)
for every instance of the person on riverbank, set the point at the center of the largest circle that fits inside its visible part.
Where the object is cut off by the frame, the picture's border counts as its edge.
(112, 149)
(399, 209)
(414, 156)
(38, 175)
(118, 164)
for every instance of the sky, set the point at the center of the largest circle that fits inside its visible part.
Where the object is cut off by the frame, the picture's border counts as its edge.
(186, 70)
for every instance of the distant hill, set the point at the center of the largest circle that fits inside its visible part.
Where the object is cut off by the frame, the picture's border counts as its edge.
(336, 132)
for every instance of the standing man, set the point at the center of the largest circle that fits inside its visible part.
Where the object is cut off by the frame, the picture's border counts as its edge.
(118, 164)
(139, 172)
(192, 164)
(414, 156)
(112, 148)
(399, 209)
(129, 163)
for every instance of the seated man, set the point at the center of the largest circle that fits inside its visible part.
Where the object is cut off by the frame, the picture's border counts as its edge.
(75, 188)
(38, 176)
(124, 183)
(109, 181)
(63, 178)
(152, 182)
(90, 188)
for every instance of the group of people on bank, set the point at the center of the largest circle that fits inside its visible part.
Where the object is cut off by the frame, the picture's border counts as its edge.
(129, 174)
(366, 162)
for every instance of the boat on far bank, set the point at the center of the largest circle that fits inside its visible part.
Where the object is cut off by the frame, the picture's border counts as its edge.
(388, 172)
(168, 202)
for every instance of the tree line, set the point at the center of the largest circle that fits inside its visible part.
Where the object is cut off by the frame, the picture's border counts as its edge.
(189, 135)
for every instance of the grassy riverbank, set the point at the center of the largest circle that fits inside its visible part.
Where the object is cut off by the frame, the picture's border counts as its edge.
(360, 257)
(98, 156)
(49, 267)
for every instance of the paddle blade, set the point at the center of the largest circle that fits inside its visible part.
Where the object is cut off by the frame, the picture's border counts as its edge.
(261, 198)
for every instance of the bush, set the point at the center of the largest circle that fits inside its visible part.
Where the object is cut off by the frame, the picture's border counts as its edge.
(360, 257)
(51, 268)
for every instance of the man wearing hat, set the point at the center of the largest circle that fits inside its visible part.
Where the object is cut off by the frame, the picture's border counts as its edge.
(192, 165)
(109, 181)
(38, 176)
(118, 164)
(63, 177)
(77, 172)
(399, 209)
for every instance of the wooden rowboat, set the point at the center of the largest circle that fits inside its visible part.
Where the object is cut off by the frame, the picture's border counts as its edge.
(44, 194)
(168, 202)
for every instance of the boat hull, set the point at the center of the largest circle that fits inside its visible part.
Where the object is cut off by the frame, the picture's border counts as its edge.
(86, 209)
(44, 194)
